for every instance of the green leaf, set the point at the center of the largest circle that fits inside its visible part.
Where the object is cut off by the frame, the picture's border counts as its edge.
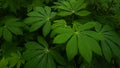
(58, 58)
(39, 56)
(106, 50)
(31, 20)
(72, 48)
(40, 15)
(50, 62)
(94, 35)
(33, 45)
(15, 30)
(84, 49)
(7, 35)
(69, 7)
(1, 31)
(115, 49)
(3, 63)
(46, 28)
(42, 41)
(64, 13)
(43, 62)
(87, 26)
(36, 26)
(59, 23)
(62, 38)
(82, 13)
(94, 45)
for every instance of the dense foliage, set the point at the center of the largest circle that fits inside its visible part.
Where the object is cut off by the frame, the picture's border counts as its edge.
(60, 34)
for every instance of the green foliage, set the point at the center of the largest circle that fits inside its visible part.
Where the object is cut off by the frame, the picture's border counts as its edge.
(59, 34)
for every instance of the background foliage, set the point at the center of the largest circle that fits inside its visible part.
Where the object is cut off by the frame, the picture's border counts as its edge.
(60, 34)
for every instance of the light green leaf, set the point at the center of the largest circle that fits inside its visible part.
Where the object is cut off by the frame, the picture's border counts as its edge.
(87, 26)
(84, 49)
(82, 13)
(62, 38)
(94, 45)
(72, 47)
(64, 13)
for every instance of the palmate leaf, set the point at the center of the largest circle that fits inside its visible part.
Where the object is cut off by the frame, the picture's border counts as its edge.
(70, 7)
(38, 55)
(38, 17)
(80, 40)
(111, 42)
(15, 60)
(11, 26)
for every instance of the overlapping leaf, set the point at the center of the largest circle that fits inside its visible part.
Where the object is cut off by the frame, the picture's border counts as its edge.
(111, 42)
(11, 26)
(39, 56)
(38, 17)
(72, 7)
(80, 40)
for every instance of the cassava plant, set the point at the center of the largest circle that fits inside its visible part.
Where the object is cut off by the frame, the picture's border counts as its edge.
(59, 34)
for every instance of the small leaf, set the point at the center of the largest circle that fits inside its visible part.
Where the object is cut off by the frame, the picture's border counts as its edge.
(46, 28)
(82, 13)
(62, 38)
(36, 26)
(7, 35)
(87, 26)
(64, 13)
(72, 48)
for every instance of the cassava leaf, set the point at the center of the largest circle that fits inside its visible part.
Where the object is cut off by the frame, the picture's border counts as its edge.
(84, 49)
(106, 51)
(72, 47)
